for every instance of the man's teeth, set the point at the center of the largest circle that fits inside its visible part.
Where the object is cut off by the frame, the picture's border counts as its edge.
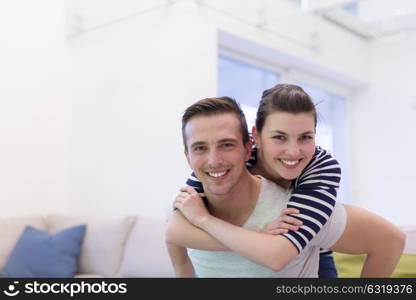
(290, 162)
(217, 174)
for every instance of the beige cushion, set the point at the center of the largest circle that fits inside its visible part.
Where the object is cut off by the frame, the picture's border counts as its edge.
(11, 230)
(410, 245)
(103, 247)
(146, 254)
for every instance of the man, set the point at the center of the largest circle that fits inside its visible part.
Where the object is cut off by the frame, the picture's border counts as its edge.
(241, 205)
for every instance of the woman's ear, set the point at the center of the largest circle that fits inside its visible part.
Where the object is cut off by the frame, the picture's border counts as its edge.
(249, 147)
(256, 136)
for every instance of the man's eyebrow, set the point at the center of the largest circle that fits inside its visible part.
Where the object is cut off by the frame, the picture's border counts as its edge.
(228, 140)
(307, 132)
(199, 143)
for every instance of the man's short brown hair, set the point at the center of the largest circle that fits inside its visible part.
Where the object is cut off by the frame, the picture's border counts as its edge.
(215, 106)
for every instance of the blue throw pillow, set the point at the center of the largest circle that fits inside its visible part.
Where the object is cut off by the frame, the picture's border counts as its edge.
(38, 254)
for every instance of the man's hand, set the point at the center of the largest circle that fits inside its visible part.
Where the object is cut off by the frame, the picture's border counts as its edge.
(180, 260)
(190, 203)
(284, 223)
(259, 247)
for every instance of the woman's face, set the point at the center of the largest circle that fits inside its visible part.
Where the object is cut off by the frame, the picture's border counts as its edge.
(286, 144)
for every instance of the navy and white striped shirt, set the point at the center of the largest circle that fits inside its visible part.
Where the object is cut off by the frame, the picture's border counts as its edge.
(314, 194)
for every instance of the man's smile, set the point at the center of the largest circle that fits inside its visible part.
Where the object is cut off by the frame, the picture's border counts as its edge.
(218, 174)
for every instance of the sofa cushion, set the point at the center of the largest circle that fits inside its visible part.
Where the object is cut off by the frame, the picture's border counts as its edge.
(38, 254)
(146, 254)
(350, 265)
(11, 230)
(410, 245)
(105, 239)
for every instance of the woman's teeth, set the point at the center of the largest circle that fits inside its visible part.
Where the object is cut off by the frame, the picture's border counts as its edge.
(289, 162)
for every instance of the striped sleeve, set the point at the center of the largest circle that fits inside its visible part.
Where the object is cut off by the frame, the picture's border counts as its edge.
(314, 195)
(194, 182)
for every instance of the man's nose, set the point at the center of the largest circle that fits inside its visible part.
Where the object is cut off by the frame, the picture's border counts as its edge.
(215, 158)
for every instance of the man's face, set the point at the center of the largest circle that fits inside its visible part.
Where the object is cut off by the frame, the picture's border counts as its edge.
(216, 152)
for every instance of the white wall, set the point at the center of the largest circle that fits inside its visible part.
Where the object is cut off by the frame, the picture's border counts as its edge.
(91, 124)
(35, 94)
(383, 124)
(132, 81)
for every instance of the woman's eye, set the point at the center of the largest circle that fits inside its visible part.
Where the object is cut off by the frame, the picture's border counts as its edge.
(279, 137)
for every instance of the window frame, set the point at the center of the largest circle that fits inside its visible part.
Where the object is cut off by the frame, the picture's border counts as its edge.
(291, 71)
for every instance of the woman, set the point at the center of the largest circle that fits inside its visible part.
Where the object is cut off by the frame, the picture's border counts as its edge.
(290, 158)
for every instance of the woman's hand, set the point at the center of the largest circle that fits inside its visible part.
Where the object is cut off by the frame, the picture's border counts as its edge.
(190, 203)
(284, 223)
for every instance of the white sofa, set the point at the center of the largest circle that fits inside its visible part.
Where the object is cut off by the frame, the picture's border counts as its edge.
(130, 246)
(116, 247)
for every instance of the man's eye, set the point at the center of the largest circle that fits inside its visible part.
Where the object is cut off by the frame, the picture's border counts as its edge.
(306, 137)
(199, 148)
(228, 145)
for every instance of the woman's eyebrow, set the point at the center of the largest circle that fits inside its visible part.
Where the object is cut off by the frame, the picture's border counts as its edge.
(279, 132)
(284, 133)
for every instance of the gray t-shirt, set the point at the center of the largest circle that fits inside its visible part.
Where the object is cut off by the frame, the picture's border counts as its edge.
(271, 201)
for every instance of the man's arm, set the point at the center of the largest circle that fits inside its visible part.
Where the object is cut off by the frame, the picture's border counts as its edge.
(271, 251)
(368, 233)
(180, 260)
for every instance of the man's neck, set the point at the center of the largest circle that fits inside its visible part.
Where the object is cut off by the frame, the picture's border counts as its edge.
(236, 206)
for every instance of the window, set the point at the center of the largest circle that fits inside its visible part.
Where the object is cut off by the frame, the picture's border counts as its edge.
(351, 8)
(246, 82)
(331, 131)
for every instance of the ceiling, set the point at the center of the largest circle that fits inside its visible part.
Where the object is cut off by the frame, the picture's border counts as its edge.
(296, 20)
(369, 19)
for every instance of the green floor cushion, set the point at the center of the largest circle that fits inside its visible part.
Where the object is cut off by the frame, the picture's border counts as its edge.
(350, 265)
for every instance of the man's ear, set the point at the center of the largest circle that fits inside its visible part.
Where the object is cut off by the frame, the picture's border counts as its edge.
(256, 136)
(187, 157)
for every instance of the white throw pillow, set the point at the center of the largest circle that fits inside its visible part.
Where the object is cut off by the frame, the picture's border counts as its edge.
(103, 247)
(10, 231)
(146, 254)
